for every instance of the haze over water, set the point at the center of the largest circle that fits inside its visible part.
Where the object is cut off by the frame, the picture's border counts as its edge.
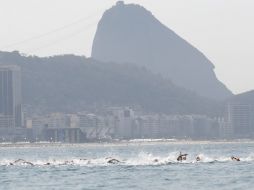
(150, 165)
(151, 74)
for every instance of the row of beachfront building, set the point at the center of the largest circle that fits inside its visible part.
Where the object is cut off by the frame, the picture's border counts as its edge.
(125, 123)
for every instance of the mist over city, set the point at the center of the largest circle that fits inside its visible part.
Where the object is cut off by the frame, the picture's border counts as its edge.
(146, 101)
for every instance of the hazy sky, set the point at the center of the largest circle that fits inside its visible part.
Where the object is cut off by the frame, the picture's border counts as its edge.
(222, 29)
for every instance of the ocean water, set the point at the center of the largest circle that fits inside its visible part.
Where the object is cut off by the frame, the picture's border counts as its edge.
(142, 165)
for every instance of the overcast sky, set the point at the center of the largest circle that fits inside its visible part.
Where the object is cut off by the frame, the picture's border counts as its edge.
(222, 29)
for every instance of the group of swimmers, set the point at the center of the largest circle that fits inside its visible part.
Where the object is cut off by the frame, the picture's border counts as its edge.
(183, 157)
(109, 160)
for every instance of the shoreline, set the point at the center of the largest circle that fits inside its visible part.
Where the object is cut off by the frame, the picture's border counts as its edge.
(119, 143)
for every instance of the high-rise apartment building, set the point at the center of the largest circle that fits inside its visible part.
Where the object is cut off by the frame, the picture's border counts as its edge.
(239, 119)
(10, 96)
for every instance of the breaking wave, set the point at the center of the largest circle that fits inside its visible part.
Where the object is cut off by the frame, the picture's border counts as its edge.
(142, 159)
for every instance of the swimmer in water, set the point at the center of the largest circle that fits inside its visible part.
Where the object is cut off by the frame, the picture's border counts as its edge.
(235, 159)
(155, 160)
(112, 160)
(21, 161)
(182, 157)
(198, 159)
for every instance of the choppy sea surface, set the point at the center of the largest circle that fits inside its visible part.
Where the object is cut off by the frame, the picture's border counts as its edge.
(128, 165)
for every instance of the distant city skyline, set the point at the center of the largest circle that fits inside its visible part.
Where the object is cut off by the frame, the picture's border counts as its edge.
(221, 29)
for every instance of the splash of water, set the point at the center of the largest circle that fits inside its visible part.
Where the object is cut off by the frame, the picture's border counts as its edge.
(142, 159)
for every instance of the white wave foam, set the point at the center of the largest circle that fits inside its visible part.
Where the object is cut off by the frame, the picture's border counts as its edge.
(142, 159)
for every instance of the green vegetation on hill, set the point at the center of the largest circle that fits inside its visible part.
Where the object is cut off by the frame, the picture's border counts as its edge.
(71, 83)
